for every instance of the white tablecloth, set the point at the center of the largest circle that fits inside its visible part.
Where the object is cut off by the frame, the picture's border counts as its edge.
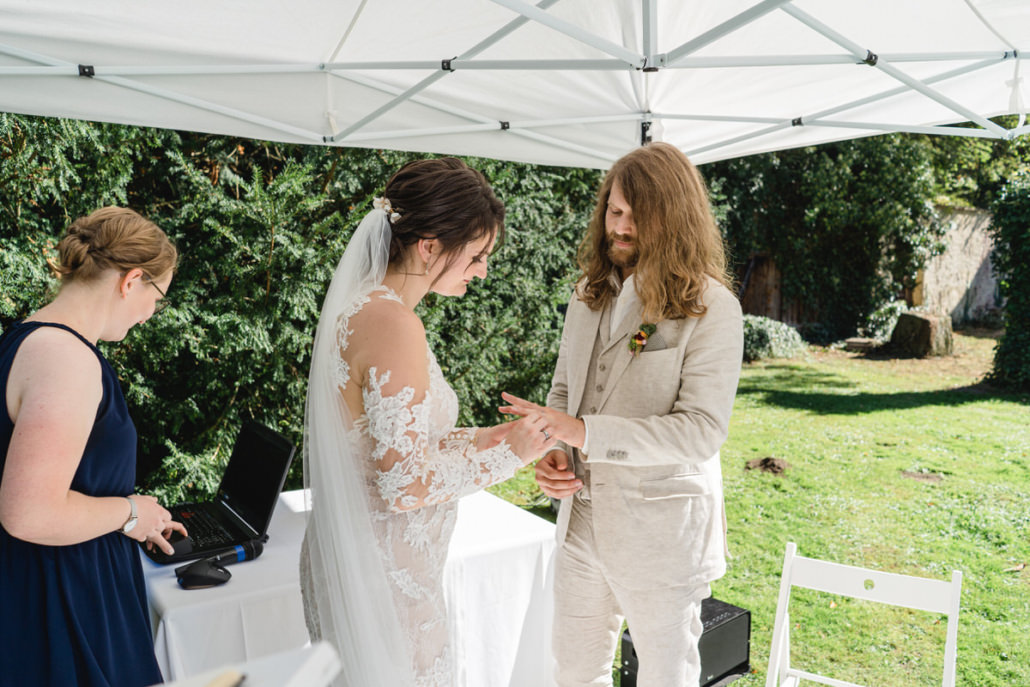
(498, 583)
(312, 666)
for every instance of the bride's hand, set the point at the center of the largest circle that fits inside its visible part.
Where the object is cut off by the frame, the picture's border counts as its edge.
(560, 425)
(488, 437)
(527, 438)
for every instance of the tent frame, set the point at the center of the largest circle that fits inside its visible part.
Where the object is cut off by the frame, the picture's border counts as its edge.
(620, 59)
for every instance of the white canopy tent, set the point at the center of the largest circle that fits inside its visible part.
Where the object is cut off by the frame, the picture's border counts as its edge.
(569, 82)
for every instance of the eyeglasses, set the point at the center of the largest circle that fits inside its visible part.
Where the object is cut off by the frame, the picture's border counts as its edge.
(164, 302)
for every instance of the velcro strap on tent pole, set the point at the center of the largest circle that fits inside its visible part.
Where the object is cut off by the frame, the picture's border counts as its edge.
(1016, 95)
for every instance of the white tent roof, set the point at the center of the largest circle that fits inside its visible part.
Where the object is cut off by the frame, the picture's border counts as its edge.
(570, 82)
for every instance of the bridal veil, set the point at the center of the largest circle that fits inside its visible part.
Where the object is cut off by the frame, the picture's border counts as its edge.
(355, 608)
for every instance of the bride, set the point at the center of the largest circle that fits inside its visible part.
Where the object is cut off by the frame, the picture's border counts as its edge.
(383, 460)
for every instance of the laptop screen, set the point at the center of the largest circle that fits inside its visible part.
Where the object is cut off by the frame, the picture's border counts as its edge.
(255, 474)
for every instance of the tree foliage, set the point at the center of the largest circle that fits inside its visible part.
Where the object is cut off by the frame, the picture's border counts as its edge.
(260, 228)
(972, 172)
(1011, 258)
(849, 224)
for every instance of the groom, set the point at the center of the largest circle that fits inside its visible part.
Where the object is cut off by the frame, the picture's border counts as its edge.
(641, 398)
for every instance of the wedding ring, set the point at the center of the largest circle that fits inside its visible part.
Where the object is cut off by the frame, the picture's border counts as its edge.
(546, 435)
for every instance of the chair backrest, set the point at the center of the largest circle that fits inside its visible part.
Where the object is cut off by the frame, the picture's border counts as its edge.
(918, 593)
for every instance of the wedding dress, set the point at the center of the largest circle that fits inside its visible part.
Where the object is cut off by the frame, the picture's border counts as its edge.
(384, 500)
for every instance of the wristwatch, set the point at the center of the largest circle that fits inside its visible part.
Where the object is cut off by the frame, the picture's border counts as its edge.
(131, 522)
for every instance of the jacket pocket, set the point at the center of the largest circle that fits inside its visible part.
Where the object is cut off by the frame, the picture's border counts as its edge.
(674, 486)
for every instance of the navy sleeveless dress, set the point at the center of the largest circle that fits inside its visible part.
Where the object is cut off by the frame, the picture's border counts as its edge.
(76, 615)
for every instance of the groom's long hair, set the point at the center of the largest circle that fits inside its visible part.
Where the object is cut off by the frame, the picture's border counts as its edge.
(678, 243)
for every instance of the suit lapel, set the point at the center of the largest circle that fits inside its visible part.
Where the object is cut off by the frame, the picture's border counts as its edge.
(629, 326)
(582, 335)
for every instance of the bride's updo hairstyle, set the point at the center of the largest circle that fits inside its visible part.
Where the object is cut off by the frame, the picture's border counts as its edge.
(113, 238)
(442, 199)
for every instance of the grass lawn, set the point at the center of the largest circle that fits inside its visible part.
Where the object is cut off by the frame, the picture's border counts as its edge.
(902, 465)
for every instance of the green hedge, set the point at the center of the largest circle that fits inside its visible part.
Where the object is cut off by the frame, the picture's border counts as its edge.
(766, 338)
(260, 228)
(1011, 258)
(848, 224)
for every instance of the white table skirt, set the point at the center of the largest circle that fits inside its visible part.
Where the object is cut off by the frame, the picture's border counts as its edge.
(498, 584)
(312, 666)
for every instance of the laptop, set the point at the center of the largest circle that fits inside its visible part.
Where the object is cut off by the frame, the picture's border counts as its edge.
(246, 498)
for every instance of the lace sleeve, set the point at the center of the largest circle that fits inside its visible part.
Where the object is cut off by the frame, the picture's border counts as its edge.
(411, 469)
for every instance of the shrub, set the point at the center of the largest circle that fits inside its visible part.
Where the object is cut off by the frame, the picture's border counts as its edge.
(1011, 231)
(260, 228)
(881, 322)
(766, 338)
(848, 224)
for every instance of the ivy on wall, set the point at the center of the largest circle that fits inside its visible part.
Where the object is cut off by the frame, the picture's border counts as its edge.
(849, 224)
(1011, 259)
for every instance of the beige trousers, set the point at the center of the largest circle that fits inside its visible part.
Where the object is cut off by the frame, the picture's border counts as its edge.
(589, 609)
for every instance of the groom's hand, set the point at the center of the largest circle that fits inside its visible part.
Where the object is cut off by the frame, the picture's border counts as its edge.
(554, 476)
(557, 424)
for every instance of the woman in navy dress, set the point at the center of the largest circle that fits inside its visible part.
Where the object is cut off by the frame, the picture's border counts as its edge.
(73, 608)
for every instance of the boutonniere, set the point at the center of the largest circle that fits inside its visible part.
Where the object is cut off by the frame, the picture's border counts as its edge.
(639, 340)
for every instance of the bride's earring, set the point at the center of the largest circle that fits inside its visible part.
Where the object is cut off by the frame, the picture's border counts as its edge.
(426, 272)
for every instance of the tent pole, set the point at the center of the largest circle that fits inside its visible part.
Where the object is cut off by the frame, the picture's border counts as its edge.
(883, 95)
(483, 65)
(433, 78)
(909, 129)
(459, 64)
(467, 129)
(570, 146)
(728, 26)
(515, 128)
(737, 139)
(566, 121)
(346, 34)
(988, 25)
(171, 96)
(718, 118)
(915, 84)
(818, 116)
(650, 29)
(573, 31)
(310, 136)
(815, 60)
(415, 133)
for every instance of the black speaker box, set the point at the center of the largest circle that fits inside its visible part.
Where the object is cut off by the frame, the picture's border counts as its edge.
(725, 645)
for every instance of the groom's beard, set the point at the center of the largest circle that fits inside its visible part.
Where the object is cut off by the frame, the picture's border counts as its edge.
(622, 257)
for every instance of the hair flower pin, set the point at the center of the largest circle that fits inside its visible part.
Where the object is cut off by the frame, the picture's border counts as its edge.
(384, 205)
(639, 340)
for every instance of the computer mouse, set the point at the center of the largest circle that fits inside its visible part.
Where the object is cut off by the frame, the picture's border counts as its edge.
(201, 575)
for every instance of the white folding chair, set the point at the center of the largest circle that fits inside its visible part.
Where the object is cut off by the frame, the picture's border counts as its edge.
(935, 596)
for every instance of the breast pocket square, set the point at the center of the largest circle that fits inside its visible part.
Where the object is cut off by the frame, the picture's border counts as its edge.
(655, 342)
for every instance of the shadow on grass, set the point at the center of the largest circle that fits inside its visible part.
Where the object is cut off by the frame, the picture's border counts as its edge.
(786, 376)
(800, 388)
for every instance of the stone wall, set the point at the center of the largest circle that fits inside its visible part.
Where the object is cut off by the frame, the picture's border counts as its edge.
(961, 282)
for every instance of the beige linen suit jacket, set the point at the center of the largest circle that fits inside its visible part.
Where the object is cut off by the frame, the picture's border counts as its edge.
(655, 478)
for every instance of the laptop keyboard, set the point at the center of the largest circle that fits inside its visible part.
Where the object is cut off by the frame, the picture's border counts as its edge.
(204, 527)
